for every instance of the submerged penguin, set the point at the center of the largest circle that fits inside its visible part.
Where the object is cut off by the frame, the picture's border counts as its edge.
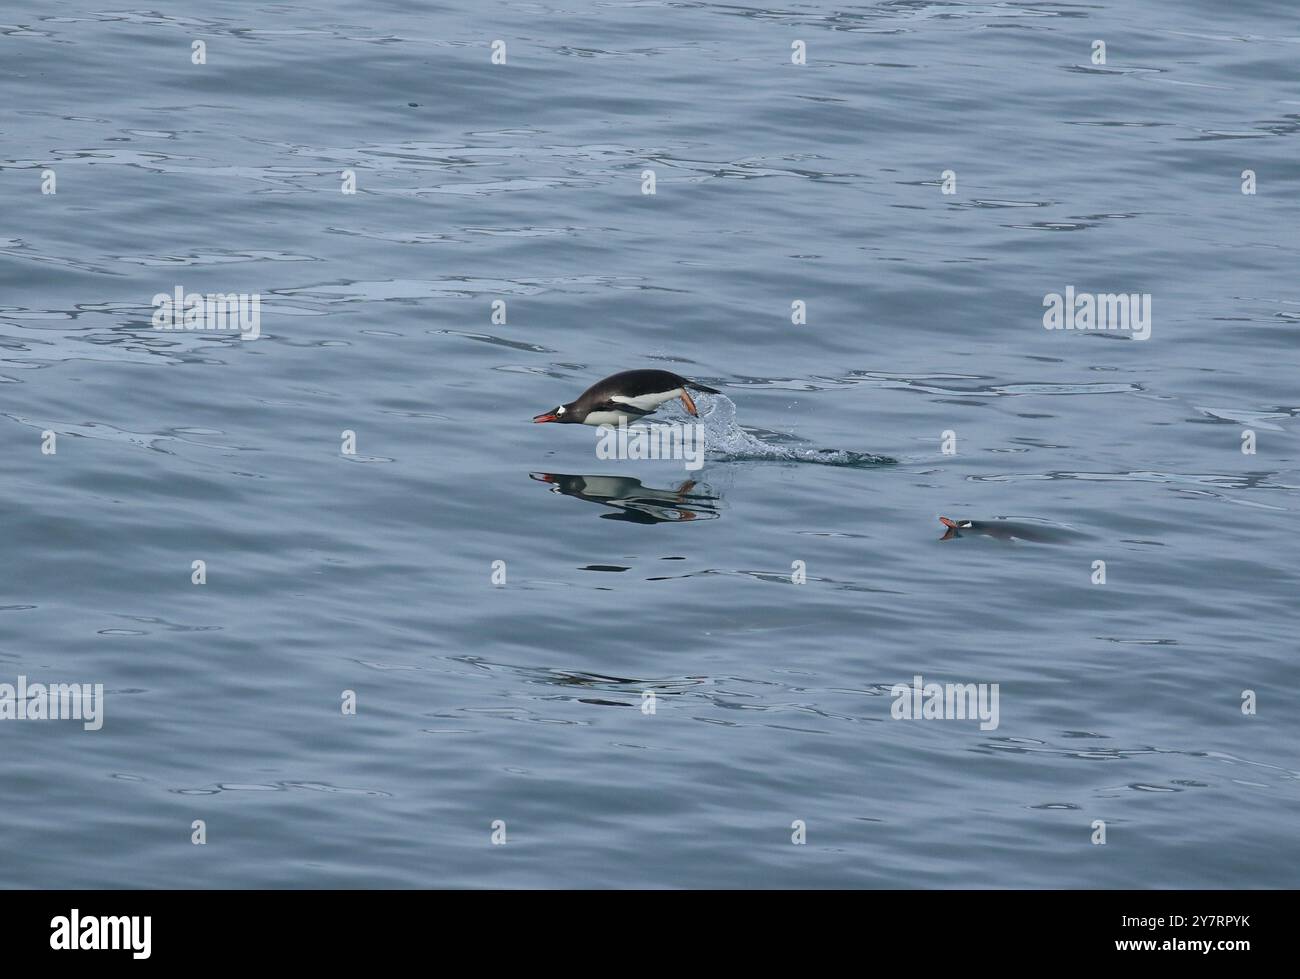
(1002, 529)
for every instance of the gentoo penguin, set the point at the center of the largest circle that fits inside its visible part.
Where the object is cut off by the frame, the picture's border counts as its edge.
(624, 397)
(1002, 529)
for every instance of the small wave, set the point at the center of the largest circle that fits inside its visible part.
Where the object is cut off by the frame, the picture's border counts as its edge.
(725, 439)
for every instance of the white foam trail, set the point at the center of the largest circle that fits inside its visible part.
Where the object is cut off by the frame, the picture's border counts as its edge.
(725, 439)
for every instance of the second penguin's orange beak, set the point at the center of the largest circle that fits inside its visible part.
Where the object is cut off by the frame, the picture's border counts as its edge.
(546, 416)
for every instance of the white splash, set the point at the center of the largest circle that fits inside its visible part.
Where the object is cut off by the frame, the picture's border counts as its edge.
(725, 439)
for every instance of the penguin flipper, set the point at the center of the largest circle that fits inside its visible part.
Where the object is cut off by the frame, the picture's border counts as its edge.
(621, 406)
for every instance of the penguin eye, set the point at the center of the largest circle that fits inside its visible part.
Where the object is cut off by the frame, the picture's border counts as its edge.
(560, 410)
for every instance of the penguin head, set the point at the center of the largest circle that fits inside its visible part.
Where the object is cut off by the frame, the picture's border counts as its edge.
(561, 413)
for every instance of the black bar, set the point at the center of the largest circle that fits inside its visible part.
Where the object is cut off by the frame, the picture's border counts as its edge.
(333, 928)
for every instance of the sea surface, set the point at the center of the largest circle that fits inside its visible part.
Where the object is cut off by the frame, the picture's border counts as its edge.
(571, 671)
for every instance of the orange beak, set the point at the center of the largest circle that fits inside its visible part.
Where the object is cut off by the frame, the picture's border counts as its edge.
(951, 525)
(548, 416)
(689, 402)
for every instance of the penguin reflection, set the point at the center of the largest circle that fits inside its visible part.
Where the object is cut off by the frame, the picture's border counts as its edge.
(633, 501)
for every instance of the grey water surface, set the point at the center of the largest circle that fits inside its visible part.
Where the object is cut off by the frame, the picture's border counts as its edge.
(769, 602)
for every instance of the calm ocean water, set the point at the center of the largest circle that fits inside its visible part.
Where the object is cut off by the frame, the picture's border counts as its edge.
(525, 702)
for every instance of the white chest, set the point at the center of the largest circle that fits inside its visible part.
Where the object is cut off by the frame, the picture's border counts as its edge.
(608, 418)
(648, 402)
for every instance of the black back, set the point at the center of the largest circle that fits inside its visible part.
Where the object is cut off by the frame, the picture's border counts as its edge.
(630, 384)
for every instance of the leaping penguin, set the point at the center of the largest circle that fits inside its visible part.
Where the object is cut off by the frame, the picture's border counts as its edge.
(624, 397)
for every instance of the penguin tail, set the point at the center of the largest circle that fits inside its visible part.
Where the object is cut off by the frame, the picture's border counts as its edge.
(704, 388)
